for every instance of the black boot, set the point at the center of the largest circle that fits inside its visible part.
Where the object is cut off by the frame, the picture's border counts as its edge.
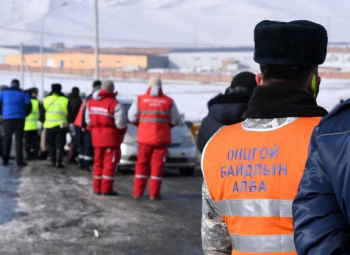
(53, 157)
(59, 159)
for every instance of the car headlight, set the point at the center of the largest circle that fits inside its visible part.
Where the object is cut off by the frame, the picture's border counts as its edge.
(188, 139)
(128, 139)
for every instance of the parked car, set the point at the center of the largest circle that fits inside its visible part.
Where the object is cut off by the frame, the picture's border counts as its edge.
(182, 152)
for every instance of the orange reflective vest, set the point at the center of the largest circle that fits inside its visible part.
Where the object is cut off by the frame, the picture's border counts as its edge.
(253, 177)
(79, 119)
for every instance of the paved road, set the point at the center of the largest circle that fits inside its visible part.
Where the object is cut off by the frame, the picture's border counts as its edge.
(50, 211)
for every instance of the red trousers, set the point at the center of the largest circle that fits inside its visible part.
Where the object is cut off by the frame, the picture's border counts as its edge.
(105, 163)
(149, 159)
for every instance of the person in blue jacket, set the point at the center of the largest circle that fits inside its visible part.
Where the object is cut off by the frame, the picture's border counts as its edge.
(321, 209)
(16, 105)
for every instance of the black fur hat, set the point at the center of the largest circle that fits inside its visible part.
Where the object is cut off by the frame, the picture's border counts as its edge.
(296, 43)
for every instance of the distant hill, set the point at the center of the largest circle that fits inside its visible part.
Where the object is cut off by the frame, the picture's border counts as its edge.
(162, 23)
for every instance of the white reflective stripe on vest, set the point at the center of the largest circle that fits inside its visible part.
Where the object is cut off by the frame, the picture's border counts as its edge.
(156, 178)
(154, 120)
(141, 176)
(97, 177)
(63, 119)
(265, 243)
(155, 112)
(107, 177)
(101, 113)
(56, 112)
(255, 207)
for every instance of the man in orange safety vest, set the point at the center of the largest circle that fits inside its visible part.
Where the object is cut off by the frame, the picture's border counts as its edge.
(252, 169)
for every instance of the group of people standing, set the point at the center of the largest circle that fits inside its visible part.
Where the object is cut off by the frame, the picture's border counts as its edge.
(102, 123)
(97, 126)
(257, 198)
(22, 114)
(154, 114)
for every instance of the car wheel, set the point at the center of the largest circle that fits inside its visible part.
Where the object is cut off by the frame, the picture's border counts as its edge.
(187, 171)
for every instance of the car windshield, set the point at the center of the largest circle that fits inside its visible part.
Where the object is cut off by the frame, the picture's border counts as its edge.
(128, 105)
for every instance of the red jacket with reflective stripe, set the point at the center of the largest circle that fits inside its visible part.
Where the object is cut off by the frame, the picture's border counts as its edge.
(154, 127)
(103, 129)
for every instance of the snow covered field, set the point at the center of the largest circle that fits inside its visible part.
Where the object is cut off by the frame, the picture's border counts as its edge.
(191, 98)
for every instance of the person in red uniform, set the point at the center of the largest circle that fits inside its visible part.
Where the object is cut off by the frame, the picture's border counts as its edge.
(108, 123)
(154, 114)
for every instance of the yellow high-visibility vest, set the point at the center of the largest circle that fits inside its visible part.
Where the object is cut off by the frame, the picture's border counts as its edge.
(32, 119)
(56, 110)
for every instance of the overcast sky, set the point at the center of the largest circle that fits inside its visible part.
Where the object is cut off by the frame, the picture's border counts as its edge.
(162, 23)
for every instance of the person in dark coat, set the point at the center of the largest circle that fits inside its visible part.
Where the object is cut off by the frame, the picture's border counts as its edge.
(83, 134)
(227, 109)
(16, 105)
(321, 209)
(75, 102)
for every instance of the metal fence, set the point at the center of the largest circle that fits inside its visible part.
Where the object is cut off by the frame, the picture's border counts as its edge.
(143, 75)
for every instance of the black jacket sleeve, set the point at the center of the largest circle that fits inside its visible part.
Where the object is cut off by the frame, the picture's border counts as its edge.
(28, 108)
(70, 113)
(83, 123)
(208, 128)
(42, 113)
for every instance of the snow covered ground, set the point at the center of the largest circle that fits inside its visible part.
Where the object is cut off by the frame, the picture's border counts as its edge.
(191, 98)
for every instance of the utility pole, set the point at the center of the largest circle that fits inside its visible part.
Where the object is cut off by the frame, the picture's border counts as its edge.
(195, 37)
(22, 64)
(42, 46)
(97, 64)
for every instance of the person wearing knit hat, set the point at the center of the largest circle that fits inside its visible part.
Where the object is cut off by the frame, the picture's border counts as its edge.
(252, 169)
(227, 109)
(155, 114)
(55, 117)
(107, 121)
(15, 106)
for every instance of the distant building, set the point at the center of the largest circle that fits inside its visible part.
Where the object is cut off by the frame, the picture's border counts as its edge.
(58, 46)
(87, 61)
(212, 58)
(4, 51)
(120, 51)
